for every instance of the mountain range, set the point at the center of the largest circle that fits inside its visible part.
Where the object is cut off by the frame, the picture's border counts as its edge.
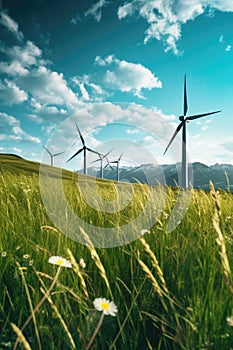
(200, 175)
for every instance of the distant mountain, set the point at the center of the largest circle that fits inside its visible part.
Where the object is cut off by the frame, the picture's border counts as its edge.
(220, 174)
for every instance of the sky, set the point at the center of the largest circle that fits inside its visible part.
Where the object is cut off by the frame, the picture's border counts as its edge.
(116, 69)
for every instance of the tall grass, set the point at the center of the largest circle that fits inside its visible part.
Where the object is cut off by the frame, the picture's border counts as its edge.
(171, 289)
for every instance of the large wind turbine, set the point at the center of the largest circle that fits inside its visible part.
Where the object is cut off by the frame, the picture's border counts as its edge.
(101, 159)
(184, 120)
(52, 155)
(84, 149)
(118, 164)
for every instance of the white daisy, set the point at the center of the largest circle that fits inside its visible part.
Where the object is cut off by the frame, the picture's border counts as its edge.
(82, 263)
(230, 321)
(57, 260)
(108, 307)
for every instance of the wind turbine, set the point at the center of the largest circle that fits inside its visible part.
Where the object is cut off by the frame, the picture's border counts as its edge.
(117, 162)
(183, 120)
(101, 159)
(52, 155)
(84, 149)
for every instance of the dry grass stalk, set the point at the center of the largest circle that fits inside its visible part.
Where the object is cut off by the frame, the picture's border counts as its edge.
(60, 318)
(78, 272)
(155, 263)
(150, 276)
(96, 258)
(21, 337)
(220, 238)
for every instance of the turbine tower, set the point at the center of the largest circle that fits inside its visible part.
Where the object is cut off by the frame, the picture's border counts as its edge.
(183, 120)
(101, 159)
(118, 164)
(84, 149)
(52, 155)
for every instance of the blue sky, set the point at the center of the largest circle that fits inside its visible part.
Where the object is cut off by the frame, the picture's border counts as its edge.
(116, 68)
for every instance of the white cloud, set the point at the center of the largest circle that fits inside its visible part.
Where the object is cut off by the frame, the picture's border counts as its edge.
(11, 94)
(14, 68)
(27, 55)
(228, 48)
(11, 25)
(166, 17)
(88, 91)
(48, 87)
(96, 9)
(20, 59)
(11, 129)
(127, 76)
(221, 38)
(75, 19)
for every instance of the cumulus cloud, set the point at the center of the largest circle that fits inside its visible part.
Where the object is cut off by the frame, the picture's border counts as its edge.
(21, 59)
(11, 25)
(11, 94)
(48, 87)
(88, 90)
(11, 130)
(166, 17)
(127, 76)
(96, 10)
(228, 48)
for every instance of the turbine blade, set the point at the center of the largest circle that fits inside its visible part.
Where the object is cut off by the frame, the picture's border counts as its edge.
(57, 154)
(174, 135)
(80, 135)
(192, 117)
(79, 151)
(185, 97)
(104, 156)
(47, 150)
(97, 160)
(91, 150)
(120, 156)
(105, 166)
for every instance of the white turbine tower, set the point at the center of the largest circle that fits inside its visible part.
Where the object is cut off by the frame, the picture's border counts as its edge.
(52, 155)
(117, 162)
(101, 160)
(184, 120)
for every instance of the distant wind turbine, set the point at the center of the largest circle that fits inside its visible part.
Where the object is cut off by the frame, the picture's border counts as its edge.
(52, 155)
(101, 159)
(184, 120)
(118, 165)
(84, 149)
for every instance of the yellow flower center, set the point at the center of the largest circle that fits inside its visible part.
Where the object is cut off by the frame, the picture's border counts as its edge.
(105, 306)
(59, 262)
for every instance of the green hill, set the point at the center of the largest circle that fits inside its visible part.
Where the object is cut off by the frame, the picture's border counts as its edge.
(172, 290)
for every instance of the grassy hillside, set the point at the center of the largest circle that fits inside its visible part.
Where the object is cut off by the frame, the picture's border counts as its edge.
(172, 290)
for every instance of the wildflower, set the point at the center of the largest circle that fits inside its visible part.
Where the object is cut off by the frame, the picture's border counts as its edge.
(230, 321)
(57, 260)
(31, 262)
(25, 256)
(108, 308)
(144, 231)
(82, 263)
(3, 254)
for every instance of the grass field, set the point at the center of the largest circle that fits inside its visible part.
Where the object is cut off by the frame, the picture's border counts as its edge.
(172, 290)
